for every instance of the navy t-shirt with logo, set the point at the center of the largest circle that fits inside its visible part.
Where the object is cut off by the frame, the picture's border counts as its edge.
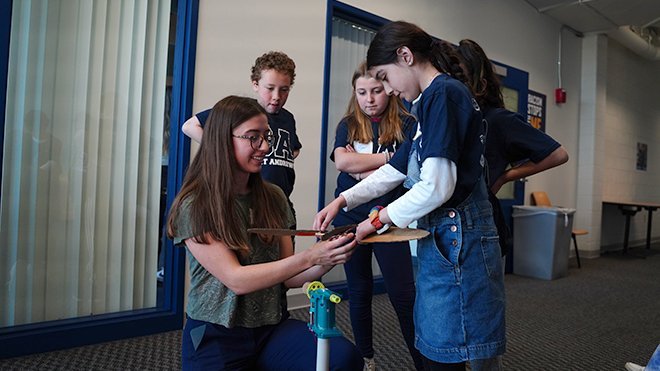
(451, 127)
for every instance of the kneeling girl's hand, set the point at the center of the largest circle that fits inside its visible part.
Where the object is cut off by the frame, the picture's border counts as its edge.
(336, 250)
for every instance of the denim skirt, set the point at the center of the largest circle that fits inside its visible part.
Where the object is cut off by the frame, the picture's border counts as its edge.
(460, 306)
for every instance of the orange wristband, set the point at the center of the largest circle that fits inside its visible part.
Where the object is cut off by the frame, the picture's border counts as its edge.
(375, 220)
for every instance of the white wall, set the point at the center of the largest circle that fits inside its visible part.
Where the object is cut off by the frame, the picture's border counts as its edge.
(520, 37)
(633, 115)
(232, 34)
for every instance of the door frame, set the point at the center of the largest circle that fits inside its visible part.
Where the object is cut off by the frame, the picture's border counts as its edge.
(516, 79)
(358, 16)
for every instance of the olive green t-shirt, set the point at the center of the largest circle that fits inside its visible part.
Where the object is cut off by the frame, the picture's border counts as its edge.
(210, 300)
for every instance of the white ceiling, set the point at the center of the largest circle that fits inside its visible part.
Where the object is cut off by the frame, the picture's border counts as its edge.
(601, 15)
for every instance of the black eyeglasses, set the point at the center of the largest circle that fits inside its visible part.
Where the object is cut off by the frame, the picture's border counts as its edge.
(257, 140)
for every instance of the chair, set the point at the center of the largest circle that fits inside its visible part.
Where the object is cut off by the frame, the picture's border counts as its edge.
(541, 198)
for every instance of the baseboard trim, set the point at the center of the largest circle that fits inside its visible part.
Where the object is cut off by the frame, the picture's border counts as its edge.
(631, 245)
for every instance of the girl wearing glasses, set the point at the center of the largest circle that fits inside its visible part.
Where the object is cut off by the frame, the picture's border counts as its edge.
(272, 77)
(236, 311)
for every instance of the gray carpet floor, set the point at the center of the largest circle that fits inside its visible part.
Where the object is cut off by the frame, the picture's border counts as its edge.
(596, 318)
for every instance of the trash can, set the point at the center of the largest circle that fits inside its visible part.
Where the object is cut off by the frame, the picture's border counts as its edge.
(541, 241)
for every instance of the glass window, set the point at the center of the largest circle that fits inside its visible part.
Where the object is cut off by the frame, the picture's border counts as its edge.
(510, 97)
(80, 201)
(350, 42)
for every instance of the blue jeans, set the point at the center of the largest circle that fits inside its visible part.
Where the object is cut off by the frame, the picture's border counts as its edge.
(460, 307)
(395, 263)
(289, 345)
(654, 362)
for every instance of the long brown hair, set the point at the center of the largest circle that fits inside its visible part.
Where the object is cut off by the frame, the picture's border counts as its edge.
(208, 185)
(482, 79)
(359, 123)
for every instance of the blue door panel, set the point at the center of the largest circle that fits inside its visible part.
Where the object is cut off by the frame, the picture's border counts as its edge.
(517, 80)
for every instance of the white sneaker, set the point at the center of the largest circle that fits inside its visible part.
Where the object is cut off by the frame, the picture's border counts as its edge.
(632, 367)
(369, 364)
(160, 275)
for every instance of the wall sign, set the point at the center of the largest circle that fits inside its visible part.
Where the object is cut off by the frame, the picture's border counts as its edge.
(536, 109)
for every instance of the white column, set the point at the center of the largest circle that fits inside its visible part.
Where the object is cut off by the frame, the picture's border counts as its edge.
(591, 143)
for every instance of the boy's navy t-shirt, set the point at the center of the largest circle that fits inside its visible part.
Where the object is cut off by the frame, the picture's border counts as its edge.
(277, 166)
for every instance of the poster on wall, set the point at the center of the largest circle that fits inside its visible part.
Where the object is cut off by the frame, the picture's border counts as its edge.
(536, 109)
(642, 150)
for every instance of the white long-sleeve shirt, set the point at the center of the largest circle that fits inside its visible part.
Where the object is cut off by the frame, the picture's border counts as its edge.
(436, 186)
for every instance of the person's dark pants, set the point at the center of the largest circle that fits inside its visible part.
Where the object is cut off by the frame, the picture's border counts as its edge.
(395, 263)
(289, 345)
(430, 365)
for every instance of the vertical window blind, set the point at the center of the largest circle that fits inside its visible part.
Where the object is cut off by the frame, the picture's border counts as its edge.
(350, 43)
(79, 201)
